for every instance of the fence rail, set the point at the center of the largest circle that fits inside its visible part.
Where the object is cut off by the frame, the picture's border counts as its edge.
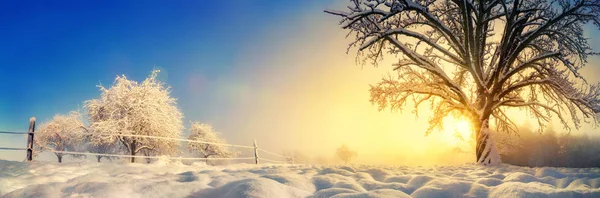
(13, 133)
(256, 157)
(268, 152)
(152, 157)
(276, 161)
(168, 138)
(14, 149)
(17, 133)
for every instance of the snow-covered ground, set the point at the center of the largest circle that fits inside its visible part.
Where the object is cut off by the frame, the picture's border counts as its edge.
(88, 179)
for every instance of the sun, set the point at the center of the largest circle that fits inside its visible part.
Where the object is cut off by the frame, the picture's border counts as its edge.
(456, 130)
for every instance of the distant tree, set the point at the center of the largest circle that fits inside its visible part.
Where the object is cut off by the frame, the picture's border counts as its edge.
(205, 133)
(579, 150)
(345, 154)
(479, 59)
(62, 133)
(148, 153)
(131, 108)
(295, 157)
(104, 147)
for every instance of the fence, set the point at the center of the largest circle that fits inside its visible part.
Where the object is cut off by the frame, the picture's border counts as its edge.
(257, 159)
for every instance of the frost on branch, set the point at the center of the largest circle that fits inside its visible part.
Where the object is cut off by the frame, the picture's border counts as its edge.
(62, 133)
(132, 108)
(480, 58)
(205, 133)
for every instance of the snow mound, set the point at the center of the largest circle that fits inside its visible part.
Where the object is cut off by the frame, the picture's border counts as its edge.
(293, 180)
(255, 187)
(172, 179)
(383, 193)
(489, 181)
(536, 189)
(543, 172)
(399, 179)
(330, 192)
(520, 177)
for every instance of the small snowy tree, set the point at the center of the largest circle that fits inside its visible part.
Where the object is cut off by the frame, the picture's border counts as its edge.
(479, 59)
(131, 108)
(205, 133)
(345, 154)
(62, 133)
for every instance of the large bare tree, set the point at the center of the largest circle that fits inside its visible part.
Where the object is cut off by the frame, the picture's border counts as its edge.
(479, 59)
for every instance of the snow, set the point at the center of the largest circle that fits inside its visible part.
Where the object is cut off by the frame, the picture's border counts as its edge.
(175, 179)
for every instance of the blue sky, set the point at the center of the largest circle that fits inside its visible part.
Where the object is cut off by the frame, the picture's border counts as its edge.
(54, 54)
(275, 71)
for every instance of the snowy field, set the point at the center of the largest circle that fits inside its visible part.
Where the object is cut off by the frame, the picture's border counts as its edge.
(88, 179)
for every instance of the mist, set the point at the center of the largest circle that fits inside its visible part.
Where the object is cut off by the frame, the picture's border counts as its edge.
(296, 89)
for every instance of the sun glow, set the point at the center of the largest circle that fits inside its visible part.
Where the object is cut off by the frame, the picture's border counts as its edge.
(456, 131)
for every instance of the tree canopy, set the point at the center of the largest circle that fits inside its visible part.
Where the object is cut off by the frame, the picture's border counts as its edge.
(131, 108)
(479, 59)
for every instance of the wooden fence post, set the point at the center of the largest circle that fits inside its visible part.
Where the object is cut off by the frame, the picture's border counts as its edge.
(30, 139)
(255, 152)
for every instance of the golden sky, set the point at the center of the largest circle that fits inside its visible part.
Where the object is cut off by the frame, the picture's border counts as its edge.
(297, 89)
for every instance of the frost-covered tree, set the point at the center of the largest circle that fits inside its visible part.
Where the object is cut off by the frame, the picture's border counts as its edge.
(205, 133)
(131, 108)
(345, 154)
(479, 59)
(62, 133)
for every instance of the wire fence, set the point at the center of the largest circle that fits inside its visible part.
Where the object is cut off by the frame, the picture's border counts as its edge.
(256, 157)
(275, 161)
(168, 138)
(13, 133)
(17, 133)
(268, 152)
(13, 149)
(150, 157)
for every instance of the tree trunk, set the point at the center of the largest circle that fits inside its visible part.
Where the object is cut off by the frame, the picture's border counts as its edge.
(59, 158)
(485, 149)
(206, 160)
(132, 151)
(148, 160)
(98, 157)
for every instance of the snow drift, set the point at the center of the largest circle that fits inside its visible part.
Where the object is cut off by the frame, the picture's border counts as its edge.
(87, 179)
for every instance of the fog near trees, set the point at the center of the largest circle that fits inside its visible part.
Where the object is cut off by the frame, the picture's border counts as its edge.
(550, 148)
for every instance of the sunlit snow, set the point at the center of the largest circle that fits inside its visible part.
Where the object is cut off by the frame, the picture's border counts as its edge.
(160, 179)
